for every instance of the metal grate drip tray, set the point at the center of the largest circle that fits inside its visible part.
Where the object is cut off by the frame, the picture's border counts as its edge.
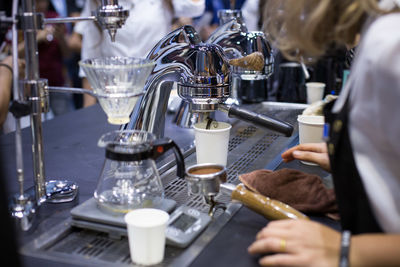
(250, 148)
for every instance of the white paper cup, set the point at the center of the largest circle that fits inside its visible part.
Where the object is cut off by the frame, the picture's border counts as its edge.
(146, 233)
(311, 130)
(315, 92)
(212, 144)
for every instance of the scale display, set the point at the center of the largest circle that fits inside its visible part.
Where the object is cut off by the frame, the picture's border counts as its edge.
(185, 225)
(183, 222)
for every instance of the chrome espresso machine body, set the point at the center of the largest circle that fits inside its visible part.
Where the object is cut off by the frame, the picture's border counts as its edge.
(202, 72)
(248, 86)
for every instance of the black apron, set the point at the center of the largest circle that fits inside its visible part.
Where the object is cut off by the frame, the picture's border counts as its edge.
(354, 208)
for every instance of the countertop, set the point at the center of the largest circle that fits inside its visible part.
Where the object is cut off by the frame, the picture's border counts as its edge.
(71, 153)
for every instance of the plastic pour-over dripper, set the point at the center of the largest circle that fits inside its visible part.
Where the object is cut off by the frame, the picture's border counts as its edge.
(117, 83)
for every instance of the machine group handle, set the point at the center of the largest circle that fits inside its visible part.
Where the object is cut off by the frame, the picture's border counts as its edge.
(160, 146)
(269, 208)
(260, 120)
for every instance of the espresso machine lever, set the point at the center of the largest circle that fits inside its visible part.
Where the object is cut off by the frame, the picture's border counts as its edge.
(257, 119)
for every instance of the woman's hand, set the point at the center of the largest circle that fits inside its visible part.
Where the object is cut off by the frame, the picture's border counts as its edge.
(297, 243)
(313, 152)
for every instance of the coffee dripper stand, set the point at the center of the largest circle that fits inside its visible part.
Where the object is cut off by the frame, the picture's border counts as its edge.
(30, 97)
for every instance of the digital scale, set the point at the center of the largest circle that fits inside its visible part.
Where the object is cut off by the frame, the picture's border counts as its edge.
(184, 225)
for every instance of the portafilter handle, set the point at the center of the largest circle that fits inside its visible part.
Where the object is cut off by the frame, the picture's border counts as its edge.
(257, 119)
(270, 208)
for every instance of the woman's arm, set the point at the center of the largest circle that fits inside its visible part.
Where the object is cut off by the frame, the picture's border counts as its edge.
(6, 79)
(308, 243)
(375, 250)
(5, 87)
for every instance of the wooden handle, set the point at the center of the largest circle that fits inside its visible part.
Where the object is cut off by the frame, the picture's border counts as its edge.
(254, 61)
(269, 208)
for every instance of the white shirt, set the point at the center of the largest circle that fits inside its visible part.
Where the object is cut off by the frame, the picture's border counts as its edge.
(375, 117)
(148, 22)
(251, 14)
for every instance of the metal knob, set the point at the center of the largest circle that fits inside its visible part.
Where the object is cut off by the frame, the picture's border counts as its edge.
(111, 16)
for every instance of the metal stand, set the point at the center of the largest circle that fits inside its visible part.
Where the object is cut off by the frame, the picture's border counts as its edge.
(32, 99)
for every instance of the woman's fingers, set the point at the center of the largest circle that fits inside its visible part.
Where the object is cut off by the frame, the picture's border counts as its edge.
(269, 232)
(280, 260)
(269, 245)
(277, 228)
(307, 156)
(283, 256)
(311, 147)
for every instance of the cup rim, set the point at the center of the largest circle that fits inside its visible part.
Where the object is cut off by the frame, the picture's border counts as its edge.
(228, 127)
(205, 176)
(114, 137)
(315, 84)
(136, 63)
(311, 116)
(164, 217)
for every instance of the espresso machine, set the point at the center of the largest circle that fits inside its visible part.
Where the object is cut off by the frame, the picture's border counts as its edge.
(203, 74)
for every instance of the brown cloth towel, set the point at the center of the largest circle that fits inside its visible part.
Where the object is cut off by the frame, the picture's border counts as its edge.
(304, 192)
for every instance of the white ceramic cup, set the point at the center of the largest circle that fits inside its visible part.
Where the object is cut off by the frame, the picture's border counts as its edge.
(146, 233)
(315, 92)
(311, 130)
(212, 144)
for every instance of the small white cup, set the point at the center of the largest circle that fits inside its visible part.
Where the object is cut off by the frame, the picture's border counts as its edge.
(146, 233)
(311, 130)
(315, 92)
(212, 144)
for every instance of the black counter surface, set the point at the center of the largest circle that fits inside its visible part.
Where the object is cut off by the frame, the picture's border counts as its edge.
(71, 153)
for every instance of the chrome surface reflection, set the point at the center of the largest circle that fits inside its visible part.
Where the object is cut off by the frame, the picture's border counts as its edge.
(201, 70)
(237, 42)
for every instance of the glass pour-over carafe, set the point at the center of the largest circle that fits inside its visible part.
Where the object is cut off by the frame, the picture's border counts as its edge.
(129, 178)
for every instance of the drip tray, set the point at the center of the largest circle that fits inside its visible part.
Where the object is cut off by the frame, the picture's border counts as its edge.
(88, 215)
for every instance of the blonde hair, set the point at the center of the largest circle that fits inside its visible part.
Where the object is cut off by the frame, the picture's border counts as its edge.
(307, 28)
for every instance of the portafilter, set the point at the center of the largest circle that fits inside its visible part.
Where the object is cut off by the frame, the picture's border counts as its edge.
(208, 87)
(210, 179)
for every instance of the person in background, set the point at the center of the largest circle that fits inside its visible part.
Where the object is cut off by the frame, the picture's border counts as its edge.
(6, 80)
(210, 21)
(74, 9)
(5, 87)
(362, 149)
(148, 22)
(71, 8)
(53, 50)
(251, 11)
